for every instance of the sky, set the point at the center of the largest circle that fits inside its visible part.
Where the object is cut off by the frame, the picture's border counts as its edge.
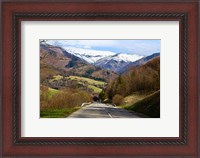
(140, 47)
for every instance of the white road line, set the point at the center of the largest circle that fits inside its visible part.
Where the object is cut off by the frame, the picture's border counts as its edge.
(110, 115)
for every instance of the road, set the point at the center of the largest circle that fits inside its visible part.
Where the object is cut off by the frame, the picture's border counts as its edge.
(99, 110)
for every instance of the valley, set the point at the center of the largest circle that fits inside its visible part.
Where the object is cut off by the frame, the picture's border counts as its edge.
(71, 77)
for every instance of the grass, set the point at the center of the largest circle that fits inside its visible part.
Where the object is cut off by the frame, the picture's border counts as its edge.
(150, 105)
(52, 91)
(91, 83)
(131, 99)
(56, 77)
(95, 89)
(57, 113)
(88, 80)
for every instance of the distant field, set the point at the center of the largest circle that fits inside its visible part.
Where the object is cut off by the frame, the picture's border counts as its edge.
(95, 89)
(95, 86)
(55, 78)
(88, 80)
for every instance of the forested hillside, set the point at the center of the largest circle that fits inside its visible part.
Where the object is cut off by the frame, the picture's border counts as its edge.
(138, 81)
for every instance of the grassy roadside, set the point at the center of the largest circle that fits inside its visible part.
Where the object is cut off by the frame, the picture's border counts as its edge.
(150, 105)
(132, 99)
(57, 113)
(61, 103)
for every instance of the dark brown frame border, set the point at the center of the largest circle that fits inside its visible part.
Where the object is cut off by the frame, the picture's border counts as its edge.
(181, 17)
(13, 144)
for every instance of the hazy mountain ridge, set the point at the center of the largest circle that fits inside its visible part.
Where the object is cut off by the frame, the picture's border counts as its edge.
(53, 57)
(104, 59)
(139, 62)
(117, 62)
(89, 55)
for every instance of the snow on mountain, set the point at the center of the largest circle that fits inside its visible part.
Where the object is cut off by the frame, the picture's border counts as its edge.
(117, 61)
(92, 56)
(104, 59)
(126, 57)
(89, 55)
(139, 62)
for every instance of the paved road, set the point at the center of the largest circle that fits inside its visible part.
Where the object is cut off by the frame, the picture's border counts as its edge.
(99, 110)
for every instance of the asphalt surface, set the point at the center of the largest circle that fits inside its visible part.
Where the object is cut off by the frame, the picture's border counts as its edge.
(99, 110)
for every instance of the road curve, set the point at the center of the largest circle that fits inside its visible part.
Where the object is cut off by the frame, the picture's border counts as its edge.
(99, 110)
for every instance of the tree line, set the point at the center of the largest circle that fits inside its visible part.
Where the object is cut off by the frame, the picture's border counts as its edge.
(142, 79)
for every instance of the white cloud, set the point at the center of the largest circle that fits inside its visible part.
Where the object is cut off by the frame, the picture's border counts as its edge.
(87, 47)
(141, 47)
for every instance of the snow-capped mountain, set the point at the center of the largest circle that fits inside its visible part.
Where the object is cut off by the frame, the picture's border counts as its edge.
(89, 55)
(104, 59)
(93, 56)
(139, 62)
(124, 57)
(55, 60)
(117, 61)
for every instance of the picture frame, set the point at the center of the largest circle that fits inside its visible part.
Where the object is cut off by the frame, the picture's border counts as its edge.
(13, 13)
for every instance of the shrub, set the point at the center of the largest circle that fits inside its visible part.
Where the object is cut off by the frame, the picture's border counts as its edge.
(44, 96)
(67, 98)
(118, 99)
(102, 96)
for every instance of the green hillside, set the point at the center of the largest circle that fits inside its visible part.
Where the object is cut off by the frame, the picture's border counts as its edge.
(150, 105)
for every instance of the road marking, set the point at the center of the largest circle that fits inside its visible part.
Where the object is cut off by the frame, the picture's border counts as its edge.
(109, 115)
(95, 110)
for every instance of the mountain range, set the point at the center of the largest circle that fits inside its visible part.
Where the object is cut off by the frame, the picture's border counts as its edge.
(138, 63)
(56, 60)
(117, 62)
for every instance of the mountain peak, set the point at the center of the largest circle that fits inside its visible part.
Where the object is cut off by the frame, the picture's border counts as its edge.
(104, 59)
(89, 55)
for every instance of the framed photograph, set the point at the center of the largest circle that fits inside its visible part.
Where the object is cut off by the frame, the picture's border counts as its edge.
(100, 79)
(94, 75)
